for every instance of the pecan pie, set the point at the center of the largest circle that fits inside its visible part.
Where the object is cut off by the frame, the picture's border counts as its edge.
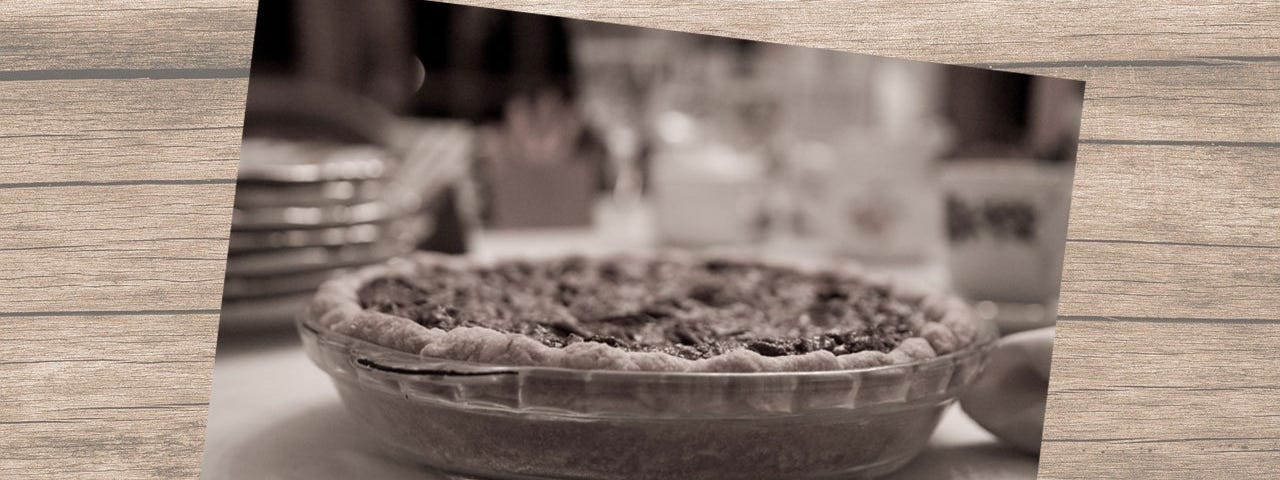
(662, 313)
(643, 367)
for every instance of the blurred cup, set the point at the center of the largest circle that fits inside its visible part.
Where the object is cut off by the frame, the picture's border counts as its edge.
(707, 195)
(1007, 226)
(881, 202)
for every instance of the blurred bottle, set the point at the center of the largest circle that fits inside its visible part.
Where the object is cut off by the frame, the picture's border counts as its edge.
(863, 157)
(712, 118)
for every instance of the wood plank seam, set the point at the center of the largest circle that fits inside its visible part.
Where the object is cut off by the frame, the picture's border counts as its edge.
(202, 73)
(1105, 318)
(121, 183)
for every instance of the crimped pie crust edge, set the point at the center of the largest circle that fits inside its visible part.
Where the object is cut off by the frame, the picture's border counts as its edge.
(335, 306)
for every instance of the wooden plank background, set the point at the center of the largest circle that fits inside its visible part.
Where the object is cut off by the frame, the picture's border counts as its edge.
(119, 134)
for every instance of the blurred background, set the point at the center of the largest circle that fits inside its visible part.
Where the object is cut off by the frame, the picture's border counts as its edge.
(378, 127)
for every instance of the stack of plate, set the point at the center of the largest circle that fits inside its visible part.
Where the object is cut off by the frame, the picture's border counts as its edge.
(307, 210)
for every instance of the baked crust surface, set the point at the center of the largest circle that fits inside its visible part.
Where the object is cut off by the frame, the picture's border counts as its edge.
(905, 323)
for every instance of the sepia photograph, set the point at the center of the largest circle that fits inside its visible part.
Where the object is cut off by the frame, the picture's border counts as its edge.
(470, 243)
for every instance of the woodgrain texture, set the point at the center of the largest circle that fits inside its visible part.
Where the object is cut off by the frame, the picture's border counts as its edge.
(105, 396)
(192, 123)
(119, 127)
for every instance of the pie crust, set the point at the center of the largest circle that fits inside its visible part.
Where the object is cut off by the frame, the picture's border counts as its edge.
(946, 325)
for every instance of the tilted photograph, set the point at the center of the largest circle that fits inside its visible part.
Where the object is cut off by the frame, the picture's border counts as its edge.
(470, 243)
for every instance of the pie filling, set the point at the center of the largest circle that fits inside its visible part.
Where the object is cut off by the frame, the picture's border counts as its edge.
(692, 310)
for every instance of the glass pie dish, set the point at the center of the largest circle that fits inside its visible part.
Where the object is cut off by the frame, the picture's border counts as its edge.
(479, 421)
